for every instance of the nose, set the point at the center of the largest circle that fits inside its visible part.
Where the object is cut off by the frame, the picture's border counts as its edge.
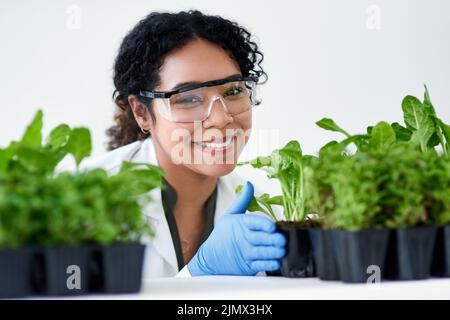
(218, 115)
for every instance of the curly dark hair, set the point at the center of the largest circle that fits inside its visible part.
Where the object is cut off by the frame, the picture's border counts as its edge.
(142, 53)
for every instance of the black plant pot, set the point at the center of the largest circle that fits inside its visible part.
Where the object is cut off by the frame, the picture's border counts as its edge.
(37, 271)
(122, 267)
(298, 261)
(391, 261)
(15, 272)
(326, 255)
(441, 254)
(314, 241)
(414, 251)
(276, 273)
(362, 253)
(67, 269)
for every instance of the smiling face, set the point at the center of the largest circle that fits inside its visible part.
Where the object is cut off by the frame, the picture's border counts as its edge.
(210, 147)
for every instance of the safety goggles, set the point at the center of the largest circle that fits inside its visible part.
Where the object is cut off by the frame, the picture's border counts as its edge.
(194, 102)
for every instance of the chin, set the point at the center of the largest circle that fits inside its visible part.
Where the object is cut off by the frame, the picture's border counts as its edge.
(215, 170)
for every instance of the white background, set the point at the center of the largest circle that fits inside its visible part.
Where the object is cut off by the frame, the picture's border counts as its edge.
(324, 58)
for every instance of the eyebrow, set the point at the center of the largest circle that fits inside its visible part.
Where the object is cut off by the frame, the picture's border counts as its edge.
(184, 84)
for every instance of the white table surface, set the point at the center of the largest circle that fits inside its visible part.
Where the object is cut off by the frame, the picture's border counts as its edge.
(276, 288)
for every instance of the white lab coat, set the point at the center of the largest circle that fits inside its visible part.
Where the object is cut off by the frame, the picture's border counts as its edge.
(160, 256)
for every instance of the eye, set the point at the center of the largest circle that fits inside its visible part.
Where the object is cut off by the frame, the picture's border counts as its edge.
(188, 100)
(233, 91)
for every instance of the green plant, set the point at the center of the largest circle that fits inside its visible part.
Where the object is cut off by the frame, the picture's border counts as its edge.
(391, 179)
(288, 166)
(39, 206)
(263, 203)
(398, 175)
(422, 128)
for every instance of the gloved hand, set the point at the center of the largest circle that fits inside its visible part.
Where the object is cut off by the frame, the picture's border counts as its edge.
(240, 244)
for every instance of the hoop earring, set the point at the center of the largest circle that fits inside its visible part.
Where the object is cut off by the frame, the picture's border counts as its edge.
(145, 131)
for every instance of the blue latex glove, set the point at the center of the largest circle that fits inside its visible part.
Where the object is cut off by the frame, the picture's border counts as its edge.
(240, 244)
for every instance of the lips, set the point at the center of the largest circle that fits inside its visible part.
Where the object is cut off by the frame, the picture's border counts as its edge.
(216, 143)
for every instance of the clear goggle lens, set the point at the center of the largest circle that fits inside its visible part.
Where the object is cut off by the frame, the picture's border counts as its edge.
(196, 105)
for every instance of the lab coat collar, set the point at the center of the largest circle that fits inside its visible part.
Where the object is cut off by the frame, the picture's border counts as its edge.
(154, 211)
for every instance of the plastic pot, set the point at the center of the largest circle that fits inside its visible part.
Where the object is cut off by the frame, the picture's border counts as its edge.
(298, 261)
(414, 251)
(441, 254)
(391, 261)
(361, 253)
(325, 256)
(15, 273)
(67, 270)
(122, 267)
(314, 240)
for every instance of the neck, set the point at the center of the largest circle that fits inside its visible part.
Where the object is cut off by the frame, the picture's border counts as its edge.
(183, 180)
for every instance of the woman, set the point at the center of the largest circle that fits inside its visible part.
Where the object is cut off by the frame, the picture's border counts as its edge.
(184, 86)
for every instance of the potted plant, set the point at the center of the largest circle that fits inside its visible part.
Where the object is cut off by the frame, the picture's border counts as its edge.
(346, 199)
(382, 204)
(407, 196)
(397, 189)
(53, 225)
(291, 168)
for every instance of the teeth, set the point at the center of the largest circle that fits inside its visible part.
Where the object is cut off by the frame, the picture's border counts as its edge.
(215, 145)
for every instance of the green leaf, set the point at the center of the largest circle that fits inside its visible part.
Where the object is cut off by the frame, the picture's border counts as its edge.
(413, 112)
(258, 162)
(58, 137)
(422, 136)
(427, 102)
(435, 139)
(79, 144)
(445, 132)
(265, 202)
(32, 137)
(332, 146)
(401, 133)
(238, 189)
(254, 205)
(275, 200)
(286, 165)
(7, 154)
(382, 136)
(292, 150)
(309, 160)
(438, 136)
(418, 120)
(330, 125)
(143, 176)
(37, 161)
(360, 141)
